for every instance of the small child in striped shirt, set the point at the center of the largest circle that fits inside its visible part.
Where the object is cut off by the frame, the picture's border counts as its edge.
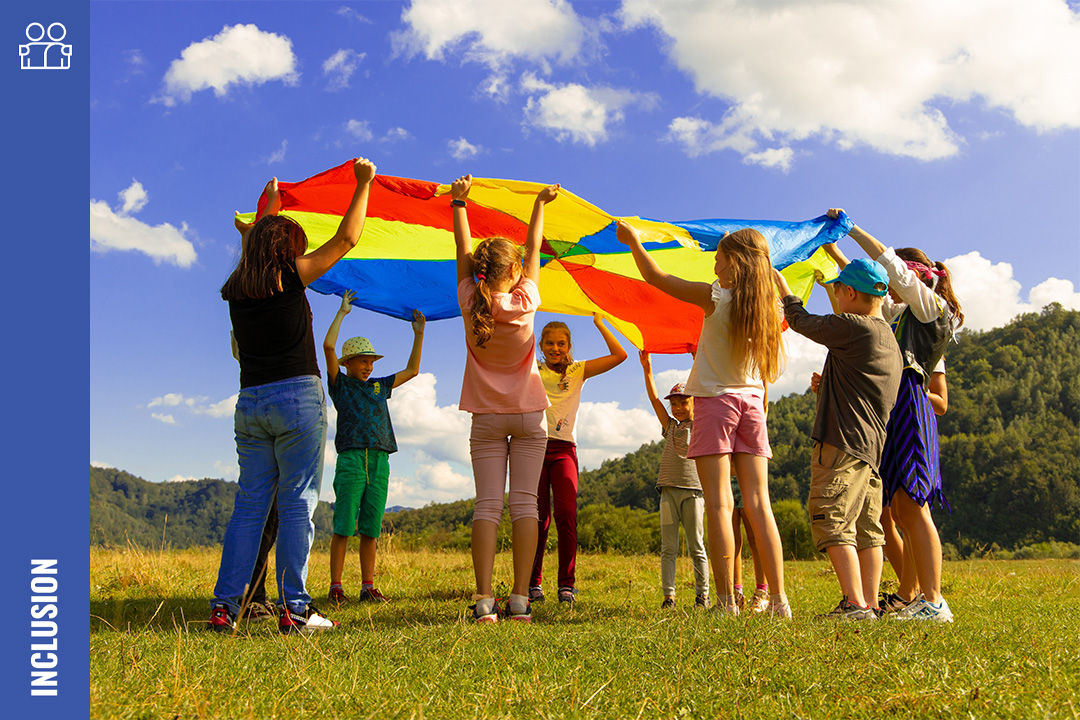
(682, 501)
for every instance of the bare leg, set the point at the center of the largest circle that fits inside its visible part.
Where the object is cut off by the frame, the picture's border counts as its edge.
(339, 544)
(736, 554)
(753, 474)
(909, 580)
(894, 543)
(870, 574)
(759, 571)
(845, 561)
(368, 546)
(921, 533)
(714, 471)
(525, 533)
(484, 536)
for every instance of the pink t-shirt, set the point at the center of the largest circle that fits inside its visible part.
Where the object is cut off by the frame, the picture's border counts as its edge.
(501, 377)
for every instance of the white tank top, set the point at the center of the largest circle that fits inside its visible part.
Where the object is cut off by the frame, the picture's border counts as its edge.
(714, 371)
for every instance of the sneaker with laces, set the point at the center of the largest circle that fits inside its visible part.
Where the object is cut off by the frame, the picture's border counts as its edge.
(847, 610)
(567, 594)
(536, 594)
(701, 602)
(259, 611)
(484, 613)
(668, 604)
(920, 609)
(892, 602)
(740, 599)
(222, 619)
(524, 616)
(372, 594)
(719, 609)
(337, 595)
(780, 610)
(759, 601)
(291, 622)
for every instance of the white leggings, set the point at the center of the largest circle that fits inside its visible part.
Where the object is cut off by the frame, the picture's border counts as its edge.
(497, 439)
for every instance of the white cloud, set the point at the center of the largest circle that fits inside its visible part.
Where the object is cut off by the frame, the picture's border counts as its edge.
(431, 482)
(229, 471)
(803, 358)
(351, 15)
(224, 408)
(395, 134)
(340, 67)
(238, 55)
(172, 400)
(881, 75)
(492, 32)
(116, 230)
(100, 464)
(163, 417)
(133, 198)
(462, 149)
(359, 129)
(180, 478)
(990, 296)
(605, 431)
(278, 155)
(577, 113)
(442, 431)
(195, 405)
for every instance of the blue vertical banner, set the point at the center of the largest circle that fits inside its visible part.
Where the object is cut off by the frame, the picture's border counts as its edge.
(45, 562)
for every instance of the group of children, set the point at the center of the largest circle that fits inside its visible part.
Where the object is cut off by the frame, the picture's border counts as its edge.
(875, 429)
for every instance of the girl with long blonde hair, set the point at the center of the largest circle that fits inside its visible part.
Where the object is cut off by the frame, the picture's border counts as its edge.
(738, 354)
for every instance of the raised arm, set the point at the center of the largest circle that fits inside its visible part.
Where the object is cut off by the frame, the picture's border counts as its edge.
(459, 194)
(780, 281)
(312, 266)
(696, 293)
(413, 368)
(330, 343)
(536, 232)
(650, 390)
(616, 353)
(870, 244)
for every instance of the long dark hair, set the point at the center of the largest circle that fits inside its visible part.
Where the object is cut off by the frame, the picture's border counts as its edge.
(273, 243)
(943, 287)
(493, 259)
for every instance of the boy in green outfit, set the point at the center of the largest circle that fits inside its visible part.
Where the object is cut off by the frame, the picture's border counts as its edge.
(364, 441)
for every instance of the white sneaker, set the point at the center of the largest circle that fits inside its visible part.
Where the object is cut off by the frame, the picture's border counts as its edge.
(920, 609)
(307, 622)
(780, 610)
(759, 601)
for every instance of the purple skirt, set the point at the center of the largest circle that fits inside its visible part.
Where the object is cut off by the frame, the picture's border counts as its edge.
(910, 460)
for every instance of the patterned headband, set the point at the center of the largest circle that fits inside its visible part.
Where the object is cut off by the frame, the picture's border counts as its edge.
(924, 272)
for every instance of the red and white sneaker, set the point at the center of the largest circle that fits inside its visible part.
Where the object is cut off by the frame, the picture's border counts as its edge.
(307, 622)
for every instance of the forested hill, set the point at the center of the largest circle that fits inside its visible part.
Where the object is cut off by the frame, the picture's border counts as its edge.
(125, 508)
(1010, 456)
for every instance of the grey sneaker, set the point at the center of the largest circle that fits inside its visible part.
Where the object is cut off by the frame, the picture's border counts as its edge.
(567, 594)
(847, 610)
(920, 609)
(701, 602)
(536, 594)
(668, 604)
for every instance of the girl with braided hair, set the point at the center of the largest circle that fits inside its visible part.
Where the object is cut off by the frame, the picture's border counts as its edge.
(498, 296)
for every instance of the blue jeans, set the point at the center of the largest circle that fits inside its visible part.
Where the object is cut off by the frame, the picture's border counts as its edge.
(280, 436)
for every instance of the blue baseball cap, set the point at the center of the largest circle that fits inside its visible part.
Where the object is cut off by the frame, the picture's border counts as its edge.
(865, 276)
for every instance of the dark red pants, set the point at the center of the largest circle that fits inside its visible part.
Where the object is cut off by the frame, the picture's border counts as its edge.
(558, 483)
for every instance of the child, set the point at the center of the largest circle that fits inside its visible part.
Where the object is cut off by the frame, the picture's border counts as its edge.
(856, 393)
(738, 352)
(925, 313)
(759, 601)
(681, 499)
(563, 379)
(498, 297)
(364, 441)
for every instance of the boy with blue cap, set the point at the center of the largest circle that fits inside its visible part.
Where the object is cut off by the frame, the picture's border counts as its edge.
(858, 389)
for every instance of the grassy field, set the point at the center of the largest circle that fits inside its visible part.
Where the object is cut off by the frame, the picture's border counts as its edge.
(1012, 652)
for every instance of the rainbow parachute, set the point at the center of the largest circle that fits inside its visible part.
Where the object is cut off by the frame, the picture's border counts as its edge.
(405, 258)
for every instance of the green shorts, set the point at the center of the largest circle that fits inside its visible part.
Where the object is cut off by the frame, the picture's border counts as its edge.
(361, 482)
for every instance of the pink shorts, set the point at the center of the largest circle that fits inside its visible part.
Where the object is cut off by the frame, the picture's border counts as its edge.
(729, 423)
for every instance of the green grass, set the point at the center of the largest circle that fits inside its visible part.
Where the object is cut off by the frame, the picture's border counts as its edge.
(1012, 651)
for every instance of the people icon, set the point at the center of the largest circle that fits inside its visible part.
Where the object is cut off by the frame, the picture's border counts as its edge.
(45, 55)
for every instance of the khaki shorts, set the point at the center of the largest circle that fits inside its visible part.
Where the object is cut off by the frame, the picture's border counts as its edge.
(845, 500)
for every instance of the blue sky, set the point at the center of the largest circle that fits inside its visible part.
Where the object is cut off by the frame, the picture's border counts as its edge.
(951, 130)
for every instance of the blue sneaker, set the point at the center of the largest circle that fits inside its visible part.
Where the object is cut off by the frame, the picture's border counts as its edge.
(486, 610)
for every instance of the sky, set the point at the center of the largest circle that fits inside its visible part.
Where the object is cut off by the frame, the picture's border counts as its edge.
(952, 127)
